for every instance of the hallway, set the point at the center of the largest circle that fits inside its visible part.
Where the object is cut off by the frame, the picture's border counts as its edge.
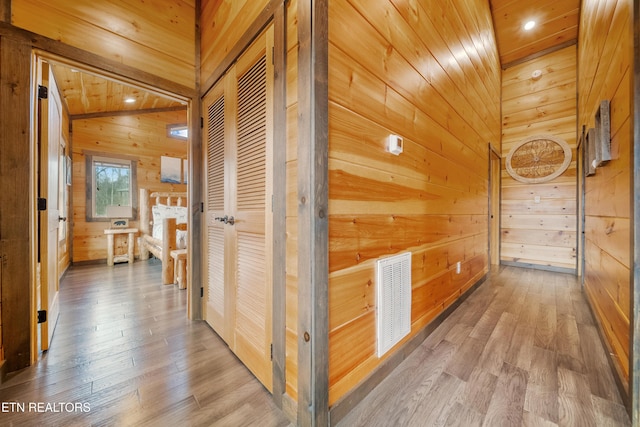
(521, 350)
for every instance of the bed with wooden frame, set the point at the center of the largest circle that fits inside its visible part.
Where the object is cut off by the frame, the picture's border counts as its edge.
(168, 210)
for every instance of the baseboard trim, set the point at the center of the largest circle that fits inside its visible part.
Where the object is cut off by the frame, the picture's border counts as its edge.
(290, 408)
(3, 371)
(540, 267)
(341, 408)
(618, 376)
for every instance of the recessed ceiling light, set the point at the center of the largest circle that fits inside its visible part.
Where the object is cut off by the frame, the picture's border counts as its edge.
(130, 100)
(529, 25)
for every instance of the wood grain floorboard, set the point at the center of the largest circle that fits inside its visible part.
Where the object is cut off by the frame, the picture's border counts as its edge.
(124, 348)
(522, 350)
(507, 403)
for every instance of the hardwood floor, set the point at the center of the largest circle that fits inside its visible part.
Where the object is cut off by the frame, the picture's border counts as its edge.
(522, 350)
(124, 354)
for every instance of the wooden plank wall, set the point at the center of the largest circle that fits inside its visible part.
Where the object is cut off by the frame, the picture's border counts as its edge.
(223, 23)
(604, 60)
(431, 75)
(157, 36)
(142, 136)
(540, 234)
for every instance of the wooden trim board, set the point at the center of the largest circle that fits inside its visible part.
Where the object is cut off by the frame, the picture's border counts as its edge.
(125, 113)
(127, 73)
(539, 267)
(195, 264)
(313, 233)
(17, 212)
(5, 11)
(279, 206)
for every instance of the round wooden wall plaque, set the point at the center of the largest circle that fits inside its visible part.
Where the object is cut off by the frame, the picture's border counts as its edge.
(539, 158)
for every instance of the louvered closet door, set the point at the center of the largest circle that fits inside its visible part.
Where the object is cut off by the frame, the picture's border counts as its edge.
(239, 256)
(214, 109)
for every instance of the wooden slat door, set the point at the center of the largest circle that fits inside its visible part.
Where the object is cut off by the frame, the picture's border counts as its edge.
(239, 135)
(216, 205)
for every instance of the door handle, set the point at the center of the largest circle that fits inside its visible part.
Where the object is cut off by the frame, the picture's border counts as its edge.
(62, 218)
(226, 219)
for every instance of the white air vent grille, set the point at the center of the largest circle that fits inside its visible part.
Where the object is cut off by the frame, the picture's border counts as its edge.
(393, 300)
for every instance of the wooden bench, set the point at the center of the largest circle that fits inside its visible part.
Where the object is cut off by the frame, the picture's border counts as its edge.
(180, 267)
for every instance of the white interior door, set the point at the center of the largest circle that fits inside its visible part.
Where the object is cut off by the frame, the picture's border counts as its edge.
(239, 135)
(50, 135)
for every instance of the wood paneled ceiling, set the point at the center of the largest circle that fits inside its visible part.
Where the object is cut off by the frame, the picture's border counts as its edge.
(556, 26)
(86, 94)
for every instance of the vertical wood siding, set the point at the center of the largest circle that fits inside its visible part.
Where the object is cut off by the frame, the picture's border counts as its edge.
(157, 36)
(432, 76)
(142, 136)
(604, 61)
(544, 233)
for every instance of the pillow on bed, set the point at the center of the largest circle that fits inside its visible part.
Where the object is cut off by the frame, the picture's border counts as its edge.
(181, 239)
(160, 212)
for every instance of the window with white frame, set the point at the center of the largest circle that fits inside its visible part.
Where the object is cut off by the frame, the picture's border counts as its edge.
(111, 187)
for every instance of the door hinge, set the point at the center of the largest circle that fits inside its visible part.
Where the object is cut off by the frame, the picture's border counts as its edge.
(43, 92)
(271, 351)
(42, 204)
(201, 207)
(201, 122)
(42, 316)
(201, 292)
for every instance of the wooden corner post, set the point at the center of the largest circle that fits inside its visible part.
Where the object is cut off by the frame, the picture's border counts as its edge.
(313, 237)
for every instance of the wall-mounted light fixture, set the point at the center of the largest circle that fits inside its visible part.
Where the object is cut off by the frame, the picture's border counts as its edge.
(395, 144)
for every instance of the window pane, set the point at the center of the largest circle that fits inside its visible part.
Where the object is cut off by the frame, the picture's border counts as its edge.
(113, 186)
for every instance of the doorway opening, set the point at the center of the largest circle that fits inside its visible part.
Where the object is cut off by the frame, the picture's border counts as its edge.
(81, 112)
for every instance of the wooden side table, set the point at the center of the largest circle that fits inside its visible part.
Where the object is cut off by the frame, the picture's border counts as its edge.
(131, 242)
(180, 267)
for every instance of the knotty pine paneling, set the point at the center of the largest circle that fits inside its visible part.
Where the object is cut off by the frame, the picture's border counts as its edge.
(156, 36)
(141, 136)
(604, 60)
(557, 23)
(223, 23)
(432, 76)
(540, 233)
